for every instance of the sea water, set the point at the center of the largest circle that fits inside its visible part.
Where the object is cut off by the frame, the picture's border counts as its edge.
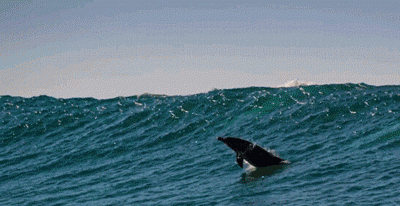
(343, 142)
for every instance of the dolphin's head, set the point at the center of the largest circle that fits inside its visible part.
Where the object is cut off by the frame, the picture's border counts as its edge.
(238, 145)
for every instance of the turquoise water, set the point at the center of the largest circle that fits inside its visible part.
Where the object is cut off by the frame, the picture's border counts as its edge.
(343, 142)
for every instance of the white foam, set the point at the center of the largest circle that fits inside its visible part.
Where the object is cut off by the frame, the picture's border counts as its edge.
(296, 83)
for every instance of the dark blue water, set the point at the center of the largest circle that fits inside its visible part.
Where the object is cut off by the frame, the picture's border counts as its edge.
(343, 142)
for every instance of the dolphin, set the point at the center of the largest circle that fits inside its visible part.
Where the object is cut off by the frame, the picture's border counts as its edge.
(253, 154)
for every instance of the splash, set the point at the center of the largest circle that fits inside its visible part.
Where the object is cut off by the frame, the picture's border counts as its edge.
(296, 83)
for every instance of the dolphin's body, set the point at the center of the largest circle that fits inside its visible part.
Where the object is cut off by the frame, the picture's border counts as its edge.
(251, 153)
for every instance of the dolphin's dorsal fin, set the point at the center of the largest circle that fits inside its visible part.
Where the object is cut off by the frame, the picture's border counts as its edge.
(239, 160)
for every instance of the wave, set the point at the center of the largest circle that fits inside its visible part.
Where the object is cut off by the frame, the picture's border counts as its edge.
(158, 149)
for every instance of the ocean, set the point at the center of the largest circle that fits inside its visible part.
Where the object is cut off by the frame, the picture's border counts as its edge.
(343, 142)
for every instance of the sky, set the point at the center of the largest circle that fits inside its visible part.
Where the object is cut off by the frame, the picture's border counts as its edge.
(105, 49)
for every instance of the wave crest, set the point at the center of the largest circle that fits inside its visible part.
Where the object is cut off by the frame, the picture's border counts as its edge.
(296, 83)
